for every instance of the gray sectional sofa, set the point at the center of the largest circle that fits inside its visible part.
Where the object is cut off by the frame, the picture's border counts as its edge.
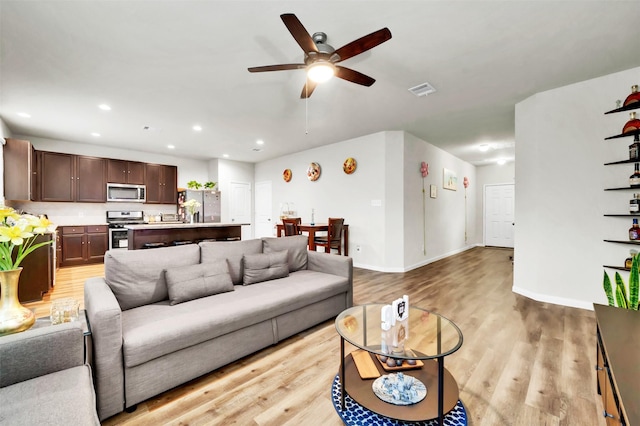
(162, 317)
(44, 379)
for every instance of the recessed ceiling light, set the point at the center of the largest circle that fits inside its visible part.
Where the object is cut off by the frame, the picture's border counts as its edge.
(197, 128)
(96, 134)
(24, 115)
(225, 155)
(501, 161)
(171, 146)
(260, 142)
(104, 107)
(484, 147)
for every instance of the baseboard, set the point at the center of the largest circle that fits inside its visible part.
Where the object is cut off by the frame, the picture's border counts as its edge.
(416, 265)
(572, 303)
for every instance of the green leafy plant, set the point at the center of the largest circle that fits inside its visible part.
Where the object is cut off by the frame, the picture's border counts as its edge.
(621, 299)
(192, 184)
(209, 185)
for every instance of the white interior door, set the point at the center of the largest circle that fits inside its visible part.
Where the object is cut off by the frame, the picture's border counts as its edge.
(240, 206)
(264, 222)
(499, 214)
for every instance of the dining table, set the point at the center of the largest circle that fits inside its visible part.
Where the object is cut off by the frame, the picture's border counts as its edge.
(311, 230)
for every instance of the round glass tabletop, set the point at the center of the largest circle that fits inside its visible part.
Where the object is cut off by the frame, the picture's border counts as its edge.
(426, 334)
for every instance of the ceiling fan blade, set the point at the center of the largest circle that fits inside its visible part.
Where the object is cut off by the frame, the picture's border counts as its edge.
(363, 44)
(308, 88)
(282, 67)
(354, 76)
(299, 33)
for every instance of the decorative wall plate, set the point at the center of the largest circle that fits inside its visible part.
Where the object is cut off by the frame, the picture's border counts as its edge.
(313, 172)
(286, 175)
(349, 165)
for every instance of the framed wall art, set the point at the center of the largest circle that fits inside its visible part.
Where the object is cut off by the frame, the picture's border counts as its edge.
(449, 179)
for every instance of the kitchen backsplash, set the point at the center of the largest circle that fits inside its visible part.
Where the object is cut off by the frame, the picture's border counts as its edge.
(63, 214)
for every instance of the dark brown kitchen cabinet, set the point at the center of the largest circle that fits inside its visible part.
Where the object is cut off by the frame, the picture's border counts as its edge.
(121, 171)
(19, 170)
(162, 182)
(37, 274)
(67, 177)
(84, 244)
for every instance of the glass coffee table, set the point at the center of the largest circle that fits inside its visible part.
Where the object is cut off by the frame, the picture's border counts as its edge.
(431, 337)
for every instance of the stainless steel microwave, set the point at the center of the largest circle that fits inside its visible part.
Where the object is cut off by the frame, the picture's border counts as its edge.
(125, 192)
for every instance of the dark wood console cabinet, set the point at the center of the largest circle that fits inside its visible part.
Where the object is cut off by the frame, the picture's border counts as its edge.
(84, 244)
(618, 369)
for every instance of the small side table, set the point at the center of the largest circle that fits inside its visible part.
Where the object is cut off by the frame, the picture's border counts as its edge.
(86, 329)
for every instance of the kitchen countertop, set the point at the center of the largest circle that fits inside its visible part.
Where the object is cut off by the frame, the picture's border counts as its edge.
(160, 225)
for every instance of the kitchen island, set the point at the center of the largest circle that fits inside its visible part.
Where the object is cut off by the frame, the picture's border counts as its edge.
(167, 234)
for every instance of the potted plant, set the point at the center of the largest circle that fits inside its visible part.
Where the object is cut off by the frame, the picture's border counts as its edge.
(17, 240)
(621, 298)
(209, 185)
(192, 184)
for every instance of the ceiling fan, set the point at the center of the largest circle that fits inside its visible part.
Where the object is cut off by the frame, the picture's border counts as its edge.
(320, 59)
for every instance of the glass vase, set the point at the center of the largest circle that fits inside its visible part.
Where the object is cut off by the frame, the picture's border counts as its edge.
(13, 316)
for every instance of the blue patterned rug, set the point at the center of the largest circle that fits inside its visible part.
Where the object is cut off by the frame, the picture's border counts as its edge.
(355, 414)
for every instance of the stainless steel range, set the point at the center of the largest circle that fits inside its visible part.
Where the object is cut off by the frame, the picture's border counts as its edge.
(117, 220)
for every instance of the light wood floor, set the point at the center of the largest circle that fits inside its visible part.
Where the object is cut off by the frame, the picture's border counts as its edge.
(522, 362)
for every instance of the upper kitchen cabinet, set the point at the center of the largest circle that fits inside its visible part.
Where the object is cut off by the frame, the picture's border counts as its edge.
(121, 171)
(162, 183)
(67, 177)
(19, 170)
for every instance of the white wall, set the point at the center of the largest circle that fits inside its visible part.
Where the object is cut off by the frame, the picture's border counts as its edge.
(445, 214)
(381, 201)
(490, 175)
(560, 199)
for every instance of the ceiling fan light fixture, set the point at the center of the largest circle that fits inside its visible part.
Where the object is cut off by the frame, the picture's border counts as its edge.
(321, 71)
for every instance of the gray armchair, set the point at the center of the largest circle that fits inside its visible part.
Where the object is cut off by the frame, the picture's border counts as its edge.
(43, 378)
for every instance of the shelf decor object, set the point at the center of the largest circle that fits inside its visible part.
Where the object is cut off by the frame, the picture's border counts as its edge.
(349, 166)
(286, 175)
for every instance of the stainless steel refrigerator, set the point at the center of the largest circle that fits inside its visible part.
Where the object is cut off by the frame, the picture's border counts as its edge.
(209, 210)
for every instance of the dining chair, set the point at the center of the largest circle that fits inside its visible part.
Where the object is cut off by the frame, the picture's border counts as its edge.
(291, 226)
(333, 239)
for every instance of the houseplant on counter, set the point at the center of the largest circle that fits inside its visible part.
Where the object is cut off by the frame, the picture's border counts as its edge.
(17, 240)
(192, 207)
(630, 302)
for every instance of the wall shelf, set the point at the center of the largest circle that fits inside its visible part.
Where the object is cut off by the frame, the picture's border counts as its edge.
(618, 268)
(623, 215)
(622, 162)
(623, 135)
(629, 107)
(637, 188)
(635, 243)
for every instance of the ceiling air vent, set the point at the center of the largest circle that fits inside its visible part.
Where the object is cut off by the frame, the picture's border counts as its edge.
(423, 89)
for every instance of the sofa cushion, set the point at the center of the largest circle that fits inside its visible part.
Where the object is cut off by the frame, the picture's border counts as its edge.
(64, 398)
(211, 251)
(295, 244)
(152, 331)
(265, 266)
(136, 277)
(195, 281)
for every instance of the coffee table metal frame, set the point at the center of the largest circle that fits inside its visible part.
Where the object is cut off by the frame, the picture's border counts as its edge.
(437, 356)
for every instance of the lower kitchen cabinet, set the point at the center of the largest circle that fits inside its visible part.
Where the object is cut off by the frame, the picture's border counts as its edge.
(84, 244)
(38, 272)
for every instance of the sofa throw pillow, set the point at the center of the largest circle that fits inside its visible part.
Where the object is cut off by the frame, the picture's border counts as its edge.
(296, 245)
(136, 277)
(196, 281)
(265, 266)
(212, 251)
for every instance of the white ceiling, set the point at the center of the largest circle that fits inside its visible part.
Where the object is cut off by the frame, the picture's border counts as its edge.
(173, 64)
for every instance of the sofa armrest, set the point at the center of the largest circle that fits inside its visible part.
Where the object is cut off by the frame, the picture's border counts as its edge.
(40, 351)
(333, 264)
(105, 317)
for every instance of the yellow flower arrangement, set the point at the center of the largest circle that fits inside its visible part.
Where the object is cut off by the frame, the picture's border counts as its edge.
(17, 236)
